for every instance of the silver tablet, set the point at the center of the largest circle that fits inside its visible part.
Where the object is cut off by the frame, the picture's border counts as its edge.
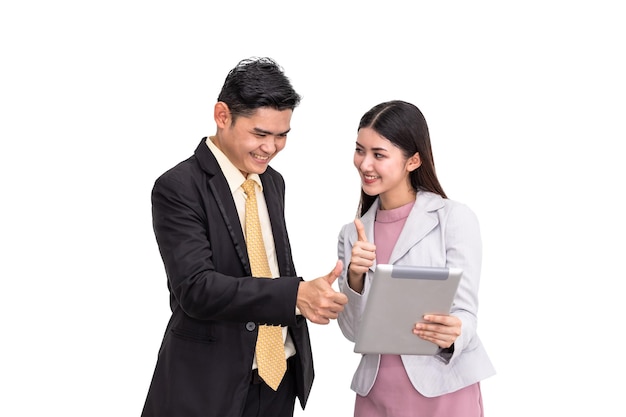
(399, 297)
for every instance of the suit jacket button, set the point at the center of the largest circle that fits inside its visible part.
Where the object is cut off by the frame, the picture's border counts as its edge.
(250, 325)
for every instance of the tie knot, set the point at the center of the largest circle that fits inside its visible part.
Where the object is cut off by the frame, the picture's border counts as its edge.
(248, 187)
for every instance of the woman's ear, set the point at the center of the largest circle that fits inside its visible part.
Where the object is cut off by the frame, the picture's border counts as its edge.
(414, 162)
(221, 114)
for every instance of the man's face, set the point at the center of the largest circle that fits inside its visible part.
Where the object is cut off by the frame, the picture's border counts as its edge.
(252, 142)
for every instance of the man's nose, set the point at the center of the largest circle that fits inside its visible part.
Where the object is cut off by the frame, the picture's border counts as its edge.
(269, 144)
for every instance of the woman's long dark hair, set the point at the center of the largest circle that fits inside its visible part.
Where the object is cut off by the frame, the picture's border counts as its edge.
(404, 125)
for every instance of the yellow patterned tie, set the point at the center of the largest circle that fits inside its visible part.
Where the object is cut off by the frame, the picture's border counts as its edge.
(270, 350)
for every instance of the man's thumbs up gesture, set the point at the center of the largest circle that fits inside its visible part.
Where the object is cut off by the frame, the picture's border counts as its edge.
(318, 301)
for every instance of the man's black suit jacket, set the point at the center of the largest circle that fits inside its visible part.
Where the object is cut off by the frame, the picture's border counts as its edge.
(204, 362)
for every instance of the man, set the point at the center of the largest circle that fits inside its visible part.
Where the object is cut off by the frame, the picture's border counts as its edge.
(207, 365)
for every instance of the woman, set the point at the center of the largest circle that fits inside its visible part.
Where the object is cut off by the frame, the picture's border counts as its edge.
(405, 218)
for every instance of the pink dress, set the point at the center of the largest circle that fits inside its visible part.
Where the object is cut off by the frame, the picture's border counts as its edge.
(393, 395)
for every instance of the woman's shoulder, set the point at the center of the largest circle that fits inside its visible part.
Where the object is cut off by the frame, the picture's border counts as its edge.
(434, 202)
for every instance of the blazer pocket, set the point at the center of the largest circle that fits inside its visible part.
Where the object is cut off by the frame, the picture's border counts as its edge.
(192, 336)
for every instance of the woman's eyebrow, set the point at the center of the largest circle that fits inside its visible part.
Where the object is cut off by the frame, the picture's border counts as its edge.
(373, 149)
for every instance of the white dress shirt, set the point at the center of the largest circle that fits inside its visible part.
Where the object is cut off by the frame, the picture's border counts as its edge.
(235, 179)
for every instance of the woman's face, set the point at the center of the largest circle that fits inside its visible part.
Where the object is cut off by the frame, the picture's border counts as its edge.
(384, 169)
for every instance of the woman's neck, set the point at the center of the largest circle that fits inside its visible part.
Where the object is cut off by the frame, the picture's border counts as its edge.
(388, 202)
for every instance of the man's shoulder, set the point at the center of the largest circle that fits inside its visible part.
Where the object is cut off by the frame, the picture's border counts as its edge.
(185, 168)
(193, 165)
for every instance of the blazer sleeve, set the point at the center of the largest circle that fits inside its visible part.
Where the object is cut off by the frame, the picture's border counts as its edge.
(190, 232)
(464, 250)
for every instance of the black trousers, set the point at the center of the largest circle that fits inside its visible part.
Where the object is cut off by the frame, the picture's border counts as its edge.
(262, 401)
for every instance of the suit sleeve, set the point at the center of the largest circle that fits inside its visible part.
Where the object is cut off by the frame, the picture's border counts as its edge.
(181, 223)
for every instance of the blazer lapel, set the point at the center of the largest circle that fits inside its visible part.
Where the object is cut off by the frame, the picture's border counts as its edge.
(274, 198)
(422, 219)
(224, 200)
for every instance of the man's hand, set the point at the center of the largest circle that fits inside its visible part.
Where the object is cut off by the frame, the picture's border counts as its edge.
(318, 301)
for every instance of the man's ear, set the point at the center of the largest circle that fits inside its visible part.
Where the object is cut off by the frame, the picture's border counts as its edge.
(414, 162)
(221, 114)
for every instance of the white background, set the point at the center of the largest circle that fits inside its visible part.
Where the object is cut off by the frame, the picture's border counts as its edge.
(525, 103)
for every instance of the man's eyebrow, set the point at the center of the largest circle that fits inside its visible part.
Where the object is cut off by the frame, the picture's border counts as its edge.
(267, 132)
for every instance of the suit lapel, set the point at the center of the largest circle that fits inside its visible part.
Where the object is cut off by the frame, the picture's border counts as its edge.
(224, 200)
(274, 198)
